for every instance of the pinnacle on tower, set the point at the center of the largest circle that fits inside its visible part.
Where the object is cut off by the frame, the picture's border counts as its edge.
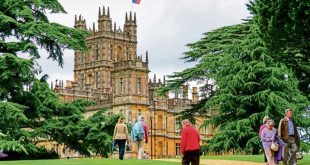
(103, 10)
(99, 13)
(94, 26)
(75, 18)
(114, 26)
(108, 14)
(134, 17)
(126, 17)
(80, 17)
(154, 79)
(146, 56)
(130, 16)
(164, 80)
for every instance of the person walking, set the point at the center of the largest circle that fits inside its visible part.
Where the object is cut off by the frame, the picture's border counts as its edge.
(120, 136)
(264, 125)
(268, 135)
(288, 133)
(190, 146)
(138, 134)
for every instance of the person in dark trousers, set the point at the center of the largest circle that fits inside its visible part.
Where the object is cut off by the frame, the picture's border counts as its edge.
(120, 136)
(190, 146)
(288, 133)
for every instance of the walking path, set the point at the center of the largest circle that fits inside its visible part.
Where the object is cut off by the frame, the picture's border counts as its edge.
(218, 162)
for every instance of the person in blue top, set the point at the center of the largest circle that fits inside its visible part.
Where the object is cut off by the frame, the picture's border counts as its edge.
(137, 136)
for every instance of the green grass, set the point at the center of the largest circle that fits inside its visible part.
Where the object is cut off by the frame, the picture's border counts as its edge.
(86, 162)
(252, 158)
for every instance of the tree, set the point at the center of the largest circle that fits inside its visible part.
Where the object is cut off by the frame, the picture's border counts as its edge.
(284, 27)
(26, 103)
(249, 85)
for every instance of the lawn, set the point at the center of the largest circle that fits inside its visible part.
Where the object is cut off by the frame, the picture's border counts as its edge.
(252, 158)
(86, 162)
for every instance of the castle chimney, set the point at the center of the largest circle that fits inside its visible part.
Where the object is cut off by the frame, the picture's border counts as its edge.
(195, 95)
(185, 91)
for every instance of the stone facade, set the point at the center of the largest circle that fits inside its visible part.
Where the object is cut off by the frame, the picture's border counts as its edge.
(112, 74)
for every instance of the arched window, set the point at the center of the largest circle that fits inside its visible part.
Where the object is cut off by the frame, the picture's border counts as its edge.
(160, 122)
(111, 52)
(122, 86)
(129, 116)
(118, 53)
(139, 86)
(97, 53)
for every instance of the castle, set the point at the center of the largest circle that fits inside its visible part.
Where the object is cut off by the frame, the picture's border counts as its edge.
(112, 74)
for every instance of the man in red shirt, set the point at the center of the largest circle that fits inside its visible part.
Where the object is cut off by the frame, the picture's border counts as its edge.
(189, 144)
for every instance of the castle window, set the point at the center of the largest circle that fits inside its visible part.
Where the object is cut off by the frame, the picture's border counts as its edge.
(97, 53)
(127, 57)
(97, 79)
(111, 52)
(139, 112)
(139, 85)
(129, 116)
(122, 86)
(83, 55)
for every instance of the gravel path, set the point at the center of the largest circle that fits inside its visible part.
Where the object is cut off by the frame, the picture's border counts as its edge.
(218, 162)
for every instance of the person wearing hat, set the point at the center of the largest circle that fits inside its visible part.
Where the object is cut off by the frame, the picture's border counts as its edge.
(265, 119)
(288, 133)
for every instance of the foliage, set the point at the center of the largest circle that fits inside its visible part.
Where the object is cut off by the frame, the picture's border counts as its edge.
(249, 85)
(27, 24)
(27, 105)
(284, 26)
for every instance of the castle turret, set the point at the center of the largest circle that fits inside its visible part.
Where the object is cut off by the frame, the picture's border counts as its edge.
(104, 20)
(130, 27)
(80, 23)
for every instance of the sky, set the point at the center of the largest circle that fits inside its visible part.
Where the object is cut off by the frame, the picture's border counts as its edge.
(164, 28)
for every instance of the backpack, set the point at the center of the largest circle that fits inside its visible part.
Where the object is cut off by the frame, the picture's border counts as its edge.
(139, 136)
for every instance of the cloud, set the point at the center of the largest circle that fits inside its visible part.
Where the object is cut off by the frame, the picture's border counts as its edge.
(164, 27)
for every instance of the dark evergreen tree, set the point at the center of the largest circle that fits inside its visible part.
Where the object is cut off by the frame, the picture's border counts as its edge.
(284, 27)
(29, 109)
(249, 85)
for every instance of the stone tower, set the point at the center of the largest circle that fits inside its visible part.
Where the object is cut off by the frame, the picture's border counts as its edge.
(111, 64)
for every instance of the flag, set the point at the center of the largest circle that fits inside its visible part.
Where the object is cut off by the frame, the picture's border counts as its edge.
(136, 1)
